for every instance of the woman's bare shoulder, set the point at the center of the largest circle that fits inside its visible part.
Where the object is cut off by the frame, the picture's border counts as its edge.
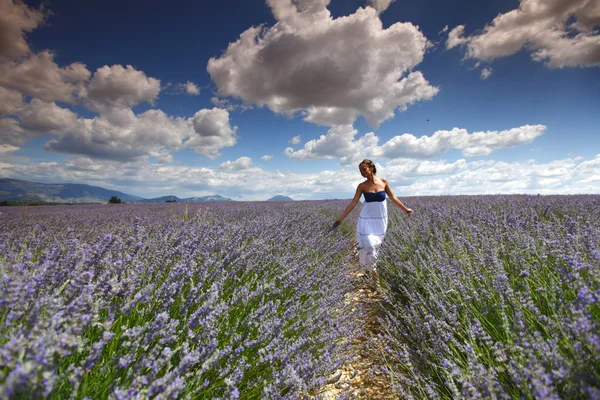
(362, 186)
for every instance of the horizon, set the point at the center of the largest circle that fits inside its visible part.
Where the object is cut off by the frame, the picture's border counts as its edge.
(323, 199)
(252, 100)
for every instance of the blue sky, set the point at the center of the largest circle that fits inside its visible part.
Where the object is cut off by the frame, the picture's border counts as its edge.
(252, 99)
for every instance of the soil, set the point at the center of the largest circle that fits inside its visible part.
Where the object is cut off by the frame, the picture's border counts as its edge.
(362, 377)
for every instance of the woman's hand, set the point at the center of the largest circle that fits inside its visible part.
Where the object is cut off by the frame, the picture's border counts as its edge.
(409, 211)
(334, 226)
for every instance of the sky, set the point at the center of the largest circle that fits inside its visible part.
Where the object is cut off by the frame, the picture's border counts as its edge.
(251, 99)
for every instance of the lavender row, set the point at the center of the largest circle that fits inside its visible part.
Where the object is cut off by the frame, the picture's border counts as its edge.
(171, 300)
(494, 297)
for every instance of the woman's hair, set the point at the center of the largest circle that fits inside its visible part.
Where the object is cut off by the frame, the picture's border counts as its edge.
(369, 164)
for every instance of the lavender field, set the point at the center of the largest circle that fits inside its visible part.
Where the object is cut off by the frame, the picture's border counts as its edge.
(173, 301)
(484, 297)
(494, 297)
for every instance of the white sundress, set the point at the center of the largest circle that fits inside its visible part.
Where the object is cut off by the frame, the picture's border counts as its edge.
(371, 228)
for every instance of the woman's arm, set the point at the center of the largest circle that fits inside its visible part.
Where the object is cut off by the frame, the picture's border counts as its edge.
(396, 201)
(350, 206)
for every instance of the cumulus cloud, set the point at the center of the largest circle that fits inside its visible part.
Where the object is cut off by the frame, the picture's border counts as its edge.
(11, 132)
(455, 37)
(428, 168)
(589, 171)
(241, 163)
(191, 88)
(380, 5)
(471, 144)
(121, 135)
(485, 73)
(24, 73)
(567, 176)
(330, 70)
(266, 158)
(7, 148)
(40, 77)
(32, 85)
(406, 177)
(41, 117)
(212, 132)
(558, 32)
(116, 86)
(339, 142)
(295, 140)
(16, 18)
(10, 101)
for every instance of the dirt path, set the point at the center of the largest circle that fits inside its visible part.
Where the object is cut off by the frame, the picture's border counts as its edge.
(362, 376)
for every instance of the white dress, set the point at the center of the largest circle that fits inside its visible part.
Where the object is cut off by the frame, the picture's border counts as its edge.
(371, 228)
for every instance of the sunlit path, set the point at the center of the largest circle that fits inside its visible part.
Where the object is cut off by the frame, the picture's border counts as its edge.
(363, 376)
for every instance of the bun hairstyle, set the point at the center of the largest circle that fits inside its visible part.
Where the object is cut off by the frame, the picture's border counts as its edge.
(369, 164)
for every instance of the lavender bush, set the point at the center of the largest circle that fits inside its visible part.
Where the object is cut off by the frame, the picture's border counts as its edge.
(172, 300)
(494, 297)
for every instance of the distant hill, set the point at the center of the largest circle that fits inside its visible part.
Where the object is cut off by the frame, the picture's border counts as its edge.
(20, 190)
(17, 189)
(280, 198)
(161, 199)
(206, 199)
(203, 199)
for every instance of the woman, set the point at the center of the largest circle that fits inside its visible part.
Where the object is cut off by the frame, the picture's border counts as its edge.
(372, 222)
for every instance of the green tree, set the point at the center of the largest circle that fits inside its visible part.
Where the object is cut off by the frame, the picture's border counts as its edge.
(114, 200)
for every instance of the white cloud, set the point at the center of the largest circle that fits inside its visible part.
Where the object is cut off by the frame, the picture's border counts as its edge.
(471, 144)
(567, 176)
(40, 77)
(189, 88)
(455, 37)
(212, 132)
(330, 70)
(559, 32)
(16, 18)
(427, 168)
(339, 142)
(406, 177)
(240, 164)
(192, 89)
(266, 158)
(116, 133)
(116, 86)
(10, 101)
(41, 117)
(380, 5)
(11, 132)
(121, 135)
(485, 73)
(295, 140)
(7, 148)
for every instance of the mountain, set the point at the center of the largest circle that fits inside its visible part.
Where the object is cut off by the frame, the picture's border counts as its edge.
(207, 199)
(203, 199)
(17, 189)
(20, 190)
(162, 199)
(280, 198)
